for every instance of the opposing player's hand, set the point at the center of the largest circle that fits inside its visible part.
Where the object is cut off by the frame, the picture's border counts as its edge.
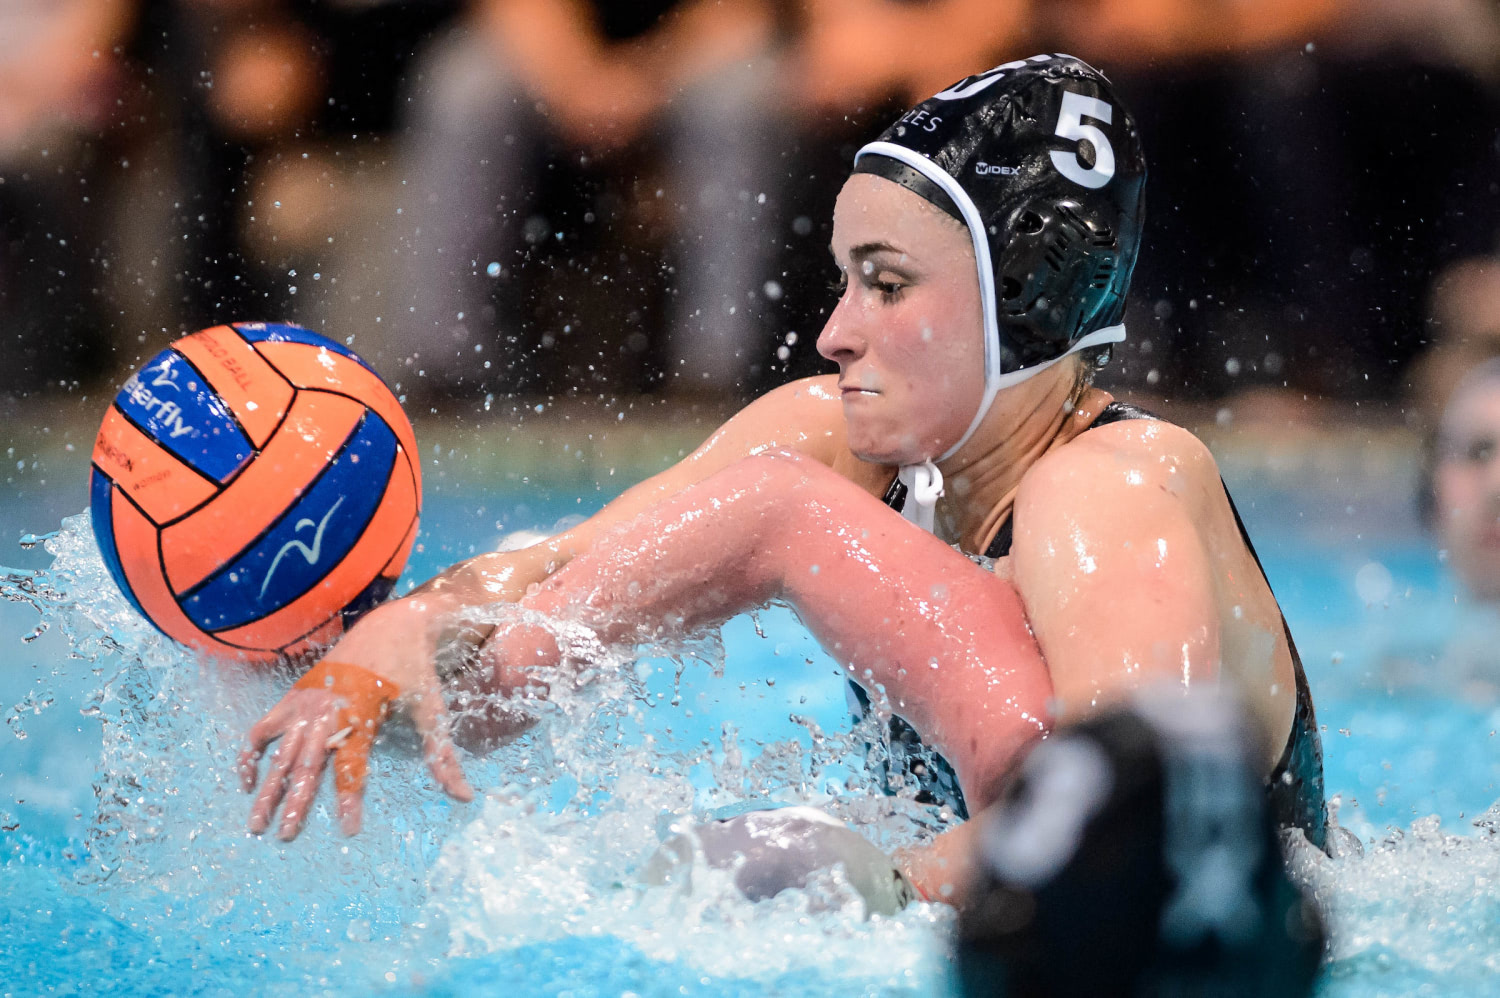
(337, 708)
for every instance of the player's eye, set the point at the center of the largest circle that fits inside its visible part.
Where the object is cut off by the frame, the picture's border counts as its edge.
(1480, 450)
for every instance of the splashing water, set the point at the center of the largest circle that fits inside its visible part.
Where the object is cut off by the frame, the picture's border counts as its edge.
(1415, 912)
(530, 889)
(534, 889)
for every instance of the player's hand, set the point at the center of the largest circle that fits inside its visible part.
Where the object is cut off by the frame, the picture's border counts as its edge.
(337, 708)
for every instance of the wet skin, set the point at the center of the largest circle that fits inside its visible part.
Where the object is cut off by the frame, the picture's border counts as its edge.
(1126, 565)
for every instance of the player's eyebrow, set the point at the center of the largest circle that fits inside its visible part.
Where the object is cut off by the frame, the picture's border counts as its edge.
(864, 250)
(870, 249)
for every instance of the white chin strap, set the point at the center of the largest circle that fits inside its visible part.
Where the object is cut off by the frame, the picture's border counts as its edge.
(924, 484)
(923, 481)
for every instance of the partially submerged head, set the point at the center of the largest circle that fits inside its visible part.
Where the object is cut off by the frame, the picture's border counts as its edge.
(1016, 197)
(1465, 481)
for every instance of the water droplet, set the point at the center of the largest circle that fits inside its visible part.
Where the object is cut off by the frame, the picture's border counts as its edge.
(1373, 582)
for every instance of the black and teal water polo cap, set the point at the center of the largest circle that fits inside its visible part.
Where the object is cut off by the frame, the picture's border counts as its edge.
(1043, 166)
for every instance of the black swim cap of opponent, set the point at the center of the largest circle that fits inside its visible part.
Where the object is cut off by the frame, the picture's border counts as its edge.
(1134, 854)
(1044, 167)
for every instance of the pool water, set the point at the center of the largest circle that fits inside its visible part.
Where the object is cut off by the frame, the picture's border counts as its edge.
(127, 869)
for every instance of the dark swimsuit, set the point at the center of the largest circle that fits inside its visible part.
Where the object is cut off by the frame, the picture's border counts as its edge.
(1294, 789)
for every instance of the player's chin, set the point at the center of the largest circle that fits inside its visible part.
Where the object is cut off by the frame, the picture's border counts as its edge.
(882, 431)
(877, 448)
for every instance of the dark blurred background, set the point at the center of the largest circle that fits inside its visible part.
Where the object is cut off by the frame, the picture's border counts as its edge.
(487, 197)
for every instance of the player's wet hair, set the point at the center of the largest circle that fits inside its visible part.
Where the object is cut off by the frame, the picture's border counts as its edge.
(1134, 854)
(1043, 166)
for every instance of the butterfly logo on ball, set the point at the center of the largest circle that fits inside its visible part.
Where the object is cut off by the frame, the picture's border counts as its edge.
(310, 553)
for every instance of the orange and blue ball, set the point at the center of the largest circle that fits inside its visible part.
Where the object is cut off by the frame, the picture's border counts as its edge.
(255, 487)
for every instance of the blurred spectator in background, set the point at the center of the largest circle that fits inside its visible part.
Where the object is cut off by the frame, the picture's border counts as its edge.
(855, 55)
(524, 87)
(251, 103)
(61, 75)
(132, 137)
(1316, 161)
(611, 195)
(716, 118)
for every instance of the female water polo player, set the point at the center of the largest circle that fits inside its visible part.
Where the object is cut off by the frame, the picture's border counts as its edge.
(987, 241)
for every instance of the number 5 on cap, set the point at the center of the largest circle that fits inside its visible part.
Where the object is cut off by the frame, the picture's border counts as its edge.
(1076, 107)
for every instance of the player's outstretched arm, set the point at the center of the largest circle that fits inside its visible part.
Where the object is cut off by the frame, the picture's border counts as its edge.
(396, 644)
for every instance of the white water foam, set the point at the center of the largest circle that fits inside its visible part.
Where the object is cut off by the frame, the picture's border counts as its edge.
(551, 853)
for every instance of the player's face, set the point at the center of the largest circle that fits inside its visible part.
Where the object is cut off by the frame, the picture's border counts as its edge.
(1467, 487)
(907, 333)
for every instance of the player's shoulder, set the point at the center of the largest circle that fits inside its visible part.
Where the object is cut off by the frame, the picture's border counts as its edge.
(817, 395)
(804, 416)
(807, 417)
(1119, 458)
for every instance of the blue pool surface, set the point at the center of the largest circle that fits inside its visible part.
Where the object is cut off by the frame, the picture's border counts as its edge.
(127, 869)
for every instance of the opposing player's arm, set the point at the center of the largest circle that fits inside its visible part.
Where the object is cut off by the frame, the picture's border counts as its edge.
(1112, 564)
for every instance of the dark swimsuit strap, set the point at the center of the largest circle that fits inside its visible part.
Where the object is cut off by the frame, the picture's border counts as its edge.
(1295, 788)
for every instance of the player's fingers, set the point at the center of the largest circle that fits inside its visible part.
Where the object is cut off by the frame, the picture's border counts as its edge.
(261, 734)
(351, 767)
(303, 780)
(430, 714)
(351, 812)
(270, 727)
(442, 759)
(275, 782)
(351, 763)
(248, 765)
